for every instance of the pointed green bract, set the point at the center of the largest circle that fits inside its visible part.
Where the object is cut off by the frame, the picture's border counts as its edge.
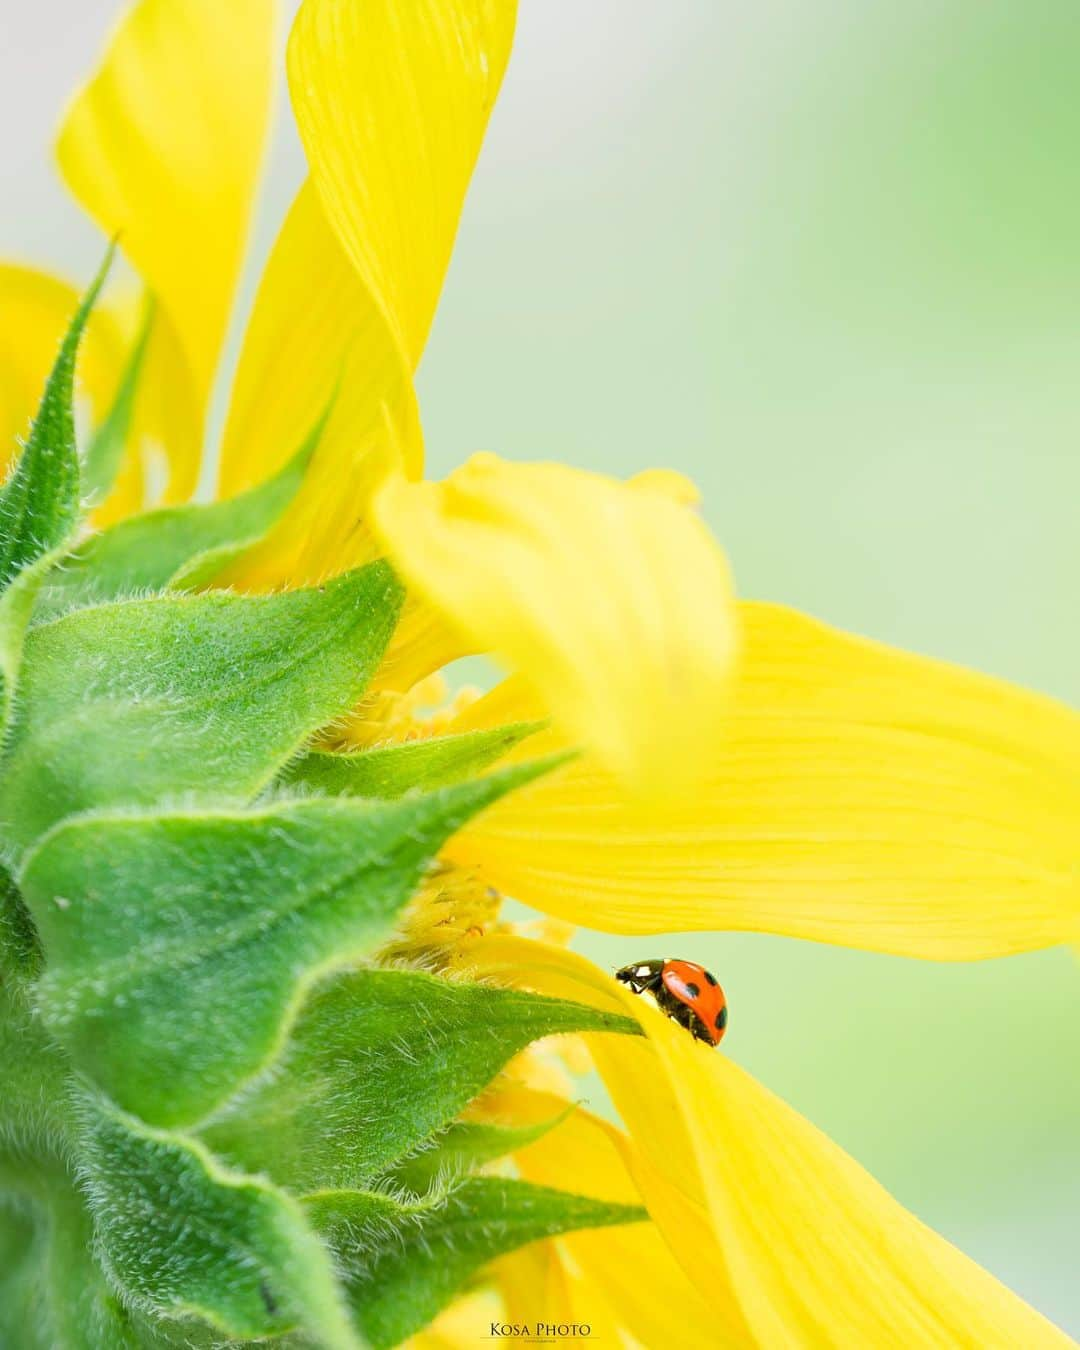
(106, 450)
(178, 945)
(401, 1268)
(465, 1146)
(39, 503)
(199, 697)
(179, 546)
(392, 770)
(326, 1115)
(180, 1235)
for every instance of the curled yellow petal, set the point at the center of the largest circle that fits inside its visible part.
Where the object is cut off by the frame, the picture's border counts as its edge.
(614, 602)
(859, 795)
(163, 147)
(294, 345)
(318, 345)
(815, 1251)
(392, 102)
(35, 310)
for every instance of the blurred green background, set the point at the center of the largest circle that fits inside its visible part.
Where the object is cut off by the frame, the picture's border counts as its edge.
(825, 257)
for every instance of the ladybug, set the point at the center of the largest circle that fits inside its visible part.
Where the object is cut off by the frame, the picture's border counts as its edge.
(685, 991)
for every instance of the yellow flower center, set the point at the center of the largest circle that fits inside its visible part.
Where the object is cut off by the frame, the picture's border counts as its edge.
(427, 709)
(452, 908)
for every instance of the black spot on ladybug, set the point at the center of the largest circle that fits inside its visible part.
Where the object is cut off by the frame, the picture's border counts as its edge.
(721, 1019)
(267, 1297)
(710, 977)
(692, 991)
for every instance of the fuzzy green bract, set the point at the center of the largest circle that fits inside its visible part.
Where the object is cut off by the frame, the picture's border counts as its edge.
(39, 503)
(180, 1234)
(178, 546)
(369, 1037)
(466, 1145)
(402, 1262)
(201, 697)
(222, 1122)
(393, 770)
(177, 946)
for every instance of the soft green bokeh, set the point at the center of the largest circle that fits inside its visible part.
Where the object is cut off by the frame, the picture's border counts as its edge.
(825, 256)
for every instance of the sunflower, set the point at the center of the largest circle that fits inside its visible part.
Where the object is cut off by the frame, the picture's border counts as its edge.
(709, 762)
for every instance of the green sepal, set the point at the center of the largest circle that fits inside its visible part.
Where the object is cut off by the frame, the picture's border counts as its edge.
(181, 1236)
(180, 546)
(178, 946)
(105, 452)
(393, 770)
(466, 1145)
(402, 1263)
(39, 503)
(378, 1061)
(201, 697)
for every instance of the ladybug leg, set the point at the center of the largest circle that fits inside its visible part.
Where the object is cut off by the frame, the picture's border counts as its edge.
(683, 1014)
(701, 1032)
(686, 1017)
(673, 1007)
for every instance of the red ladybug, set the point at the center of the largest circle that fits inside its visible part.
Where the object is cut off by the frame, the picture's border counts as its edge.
(685, 991)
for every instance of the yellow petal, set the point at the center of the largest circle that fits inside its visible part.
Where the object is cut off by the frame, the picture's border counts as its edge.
(860, 795)
(533, 1283)
(661, 1162)
(422, 643)
(294, 347)
(317, 340)
(613, 601)
(392, 102)
(816, 1251)
(558, 1281)
(463, 1323)
(35, 310)
(857, 1268)
(591, 1302)
(163, 147)
(631, 1268)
